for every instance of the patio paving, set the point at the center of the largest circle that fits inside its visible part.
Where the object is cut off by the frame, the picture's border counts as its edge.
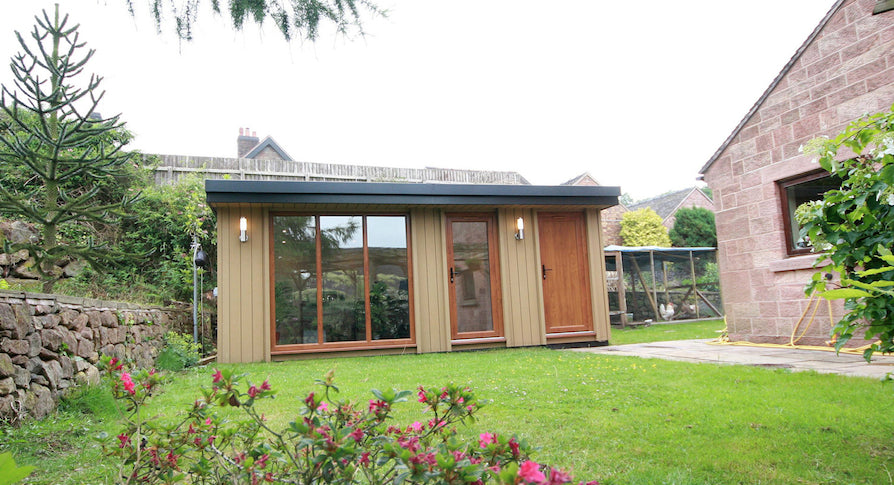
(702, 351)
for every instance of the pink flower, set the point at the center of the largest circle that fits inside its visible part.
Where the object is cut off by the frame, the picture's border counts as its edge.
(421, 394)
(322, 407)
(530, 472)
(364, 458)
(216, 377)
(416, 426)
(514, 446)
(357, 434)
(128, 383)
(208, 421)
(265, 386)
(124, 440)
(485, 439)
(262, 461)
(558, 477)
(253, 391)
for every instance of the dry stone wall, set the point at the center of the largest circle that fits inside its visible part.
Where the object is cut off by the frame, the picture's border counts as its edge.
(49, 343)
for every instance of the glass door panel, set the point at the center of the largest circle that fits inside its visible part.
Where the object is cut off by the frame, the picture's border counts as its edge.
(295, 279)
(344, 304)
(389, 288)
(474, 286)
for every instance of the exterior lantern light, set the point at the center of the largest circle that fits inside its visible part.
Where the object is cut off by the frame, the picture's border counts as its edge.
(243, 229)
(520, 229)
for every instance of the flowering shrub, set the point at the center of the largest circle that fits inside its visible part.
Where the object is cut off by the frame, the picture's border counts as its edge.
(330, 441)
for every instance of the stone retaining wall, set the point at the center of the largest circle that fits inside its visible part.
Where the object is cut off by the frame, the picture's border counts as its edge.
(49, 343)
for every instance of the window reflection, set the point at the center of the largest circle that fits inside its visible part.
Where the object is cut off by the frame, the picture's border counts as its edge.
(471, 262)
(295, 279)
(331, 248)
(344, 306)
(389, 297)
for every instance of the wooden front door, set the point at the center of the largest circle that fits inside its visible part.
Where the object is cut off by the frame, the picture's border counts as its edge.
(565, 272)
(473, 272)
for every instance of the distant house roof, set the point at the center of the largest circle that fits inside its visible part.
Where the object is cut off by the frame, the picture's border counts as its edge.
(249, 191)
(760, 101)
(582, 179)
(270, 143)
(665, 205)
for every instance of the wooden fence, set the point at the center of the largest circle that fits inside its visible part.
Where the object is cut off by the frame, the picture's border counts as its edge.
(172, 167)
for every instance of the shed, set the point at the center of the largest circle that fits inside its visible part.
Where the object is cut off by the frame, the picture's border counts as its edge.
(313, 268)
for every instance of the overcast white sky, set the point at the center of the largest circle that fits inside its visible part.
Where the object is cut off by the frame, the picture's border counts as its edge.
(638, 93)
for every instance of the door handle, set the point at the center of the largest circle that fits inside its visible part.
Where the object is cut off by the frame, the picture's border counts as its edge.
(544, 270)
(452, 274)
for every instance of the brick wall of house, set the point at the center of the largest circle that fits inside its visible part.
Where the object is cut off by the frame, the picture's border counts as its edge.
(611, 225)
(845, 72)
(696, 198)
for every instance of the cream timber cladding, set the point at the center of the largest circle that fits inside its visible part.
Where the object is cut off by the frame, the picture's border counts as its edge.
(246, 271)
(170, 168)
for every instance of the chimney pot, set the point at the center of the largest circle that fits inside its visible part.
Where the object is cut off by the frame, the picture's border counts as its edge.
(240, 132)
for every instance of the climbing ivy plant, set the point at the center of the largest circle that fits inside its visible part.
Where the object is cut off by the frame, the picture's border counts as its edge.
(854, 228)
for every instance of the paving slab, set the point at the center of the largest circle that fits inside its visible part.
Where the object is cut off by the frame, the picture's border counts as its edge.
(707, 351)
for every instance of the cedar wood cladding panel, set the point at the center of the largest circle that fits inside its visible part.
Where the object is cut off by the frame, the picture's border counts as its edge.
(522, 292)
(243, 334)
(431, 312)
(601, 324)
(244, 280)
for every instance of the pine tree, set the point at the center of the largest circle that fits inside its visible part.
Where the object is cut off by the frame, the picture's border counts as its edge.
(65, 154)
(694, 227)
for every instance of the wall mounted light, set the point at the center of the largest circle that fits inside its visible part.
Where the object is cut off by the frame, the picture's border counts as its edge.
(243, 229)
(520, 229)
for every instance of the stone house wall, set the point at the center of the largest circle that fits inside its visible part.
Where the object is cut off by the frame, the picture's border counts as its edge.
(611, 225)
(49, 343)
(845, 70)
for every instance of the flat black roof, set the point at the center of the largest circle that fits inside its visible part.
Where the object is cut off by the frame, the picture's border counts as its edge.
(292, 192)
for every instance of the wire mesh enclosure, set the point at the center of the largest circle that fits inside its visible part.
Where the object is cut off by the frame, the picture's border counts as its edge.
(661, 284)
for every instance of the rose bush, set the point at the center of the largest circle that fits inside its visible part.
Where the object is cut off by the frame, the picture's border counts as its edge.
(330, 441)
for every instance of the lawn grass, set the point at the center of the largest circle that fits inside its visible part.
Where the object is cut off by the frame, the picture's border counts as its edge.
(662, 332)
(621, 420)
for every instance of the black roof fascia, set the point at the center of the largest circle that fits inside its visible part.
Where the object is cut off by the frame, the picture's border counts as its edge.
(290, 192)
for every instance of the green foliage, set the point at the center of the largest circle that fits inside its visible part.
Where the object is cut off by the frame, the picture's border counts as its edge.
(854, 225)
(178, 353)
(296, 18)
(57, 163)
(163, 225)
(333, 441)
(694, 227)
(9, 472)
(643, 228)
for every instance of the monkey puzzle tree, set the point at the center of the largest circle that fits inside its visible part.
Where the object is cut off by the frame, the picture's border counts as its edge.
(66, 155)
